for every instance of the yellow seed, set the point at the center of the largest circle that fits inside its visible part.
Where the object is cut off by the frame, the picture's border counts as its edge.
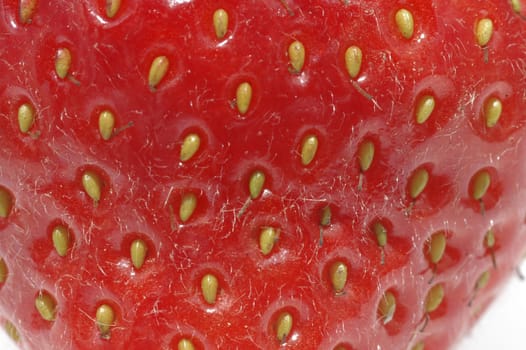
(434, 298)
(158, 71)
(220, 20)
(188, 205)
(326, 216)
(353, 61)
(484, 31)
(296, 56)
(418, 182)
(106, 124)
(185, 344)
(92, 184)
(27, 10)
(437, 247)
(309, 149)
(419, 346)
(112, 6)
(46, 306)
(26, 117)
(138, 251)
(424, 108)
(105, 318)
(405, 22)
(482, 281)
(516, 6)
(61, 240)
(11, 331)
(209, 288)
(338, 275)
(256, 183)
(267, 238)
(3, 271)
(243, 97)
(481, 183)
(190, 146)
(283, 326)
(366, 155)
(387, 307)
(489, 239)
(492, 111)
(62, 62)
(381, 234)
(6, 203)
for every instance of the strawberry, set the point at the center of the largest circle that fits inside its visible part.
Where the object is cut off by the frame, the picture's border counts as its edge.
(305, 174)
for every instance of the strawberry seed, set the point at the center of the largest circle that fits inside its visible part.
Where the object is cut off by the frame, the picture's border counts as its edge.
(296, 56)
(106, 124)
(220, 20)
(46, 306)
(138, 251)
(61, 240)
(353, 61)
(405, 23)
(189, 147)
(209, 288)
(158, 70)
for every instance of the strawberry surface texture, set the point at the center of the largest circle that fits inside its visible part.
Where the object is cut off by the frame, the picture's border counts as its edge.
(297, 174)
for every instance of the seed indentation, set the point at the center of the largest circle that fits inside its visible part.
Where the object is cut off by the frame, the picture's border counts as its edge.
(158, 70)
(46, 306)
(353, 61)
(424, 108)
(190, 146)
(309, 148)
(405, 23)
(243, 97)
(61, 240)
(138, 251)
(209, 288)
(105, 318)
(267, 238)
(220, 20)
(188, 205)
(26, 117)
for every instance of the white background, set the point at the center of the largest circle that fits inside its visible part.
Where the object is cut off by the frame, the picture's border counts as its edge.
(503, 326)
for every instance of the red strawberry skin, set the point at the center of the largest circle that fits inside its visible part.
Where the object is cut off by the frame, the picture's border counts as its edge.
(143, 179)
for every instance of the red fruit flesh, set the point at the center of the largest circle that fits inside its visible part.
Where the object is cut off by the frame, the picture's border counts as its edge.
(342, 237)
